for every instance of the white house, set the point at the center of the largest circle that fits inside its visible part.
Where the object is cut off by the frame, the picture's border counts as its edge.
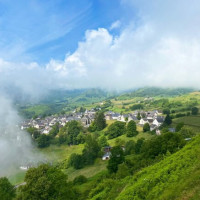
(143, 121)
(106, 156)
(158, 121)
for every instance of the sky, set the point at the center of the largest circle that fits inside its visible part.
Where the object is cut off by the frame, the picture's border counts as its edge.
(107, 44)
(38, 31)
(110, 44)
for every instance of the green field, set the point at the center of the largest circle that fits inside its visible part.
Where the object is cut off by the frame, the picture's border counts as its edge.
(125, 139)
(190, 121)
(56, 153)
(88, 171)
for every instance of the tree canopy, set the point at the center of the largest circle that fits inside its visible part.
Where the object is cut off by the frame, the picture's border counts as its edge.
(146, 127)
(116, 129)
(131, 129)
(45, 182)
(7, 190)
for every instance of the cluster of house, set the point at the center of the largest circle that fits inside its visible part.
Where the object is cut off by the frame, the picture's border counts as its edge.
(153, 118)
(44, 125)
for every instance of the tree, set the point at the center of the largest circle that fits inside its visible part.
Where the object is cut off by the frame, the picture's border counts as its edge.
(43, 141)
(46, 182)
(138, 116)
(92, 127)
(73, 130)
(91, 150)
(76, 161)
(131, 129)
(168, 120)
(102, 141)
(34, 132)
(159, 145)
(100, 121)
(138, 145)
(146, 127)
(82, 109)
(117, 157)
(79, 180)
(70, 132)
(195, 111)
(119, 142)
(130, 147)
(7, 190)
(54, 131)
(136, 107)
(116, 129)
(122, 171)
(166, 111)
(80, 138)
(179, 126)
(187, 132)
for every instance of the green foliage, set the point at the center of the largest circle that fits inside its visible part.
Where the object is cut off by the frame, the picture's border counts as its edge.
(179, 126)
(54, 131)
(122, 171)
(79, 180)
(146, 127)
(76, 161)
(43, 141)
(107, 189)
(136, 107)
(195, 111)
(100, 121)
(187, 132)
(89, 154)
(168, 120)
(46, 182)
(131, 129)
(81, 138)
(116, 158)
(159, 145)
(92, 127)
(34, 132)
(116, 129)
(166, 111)
(91, 150)
(106, 104)
(102, 141)
(138, 116)
(139, 145)
(162, 180)
(7, 190)
(130, 147)
(70, 133)
(82, 109)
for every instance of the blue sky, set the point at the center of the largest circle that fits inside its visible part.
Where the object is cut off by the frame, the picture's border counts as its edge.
(35, 30)
(110, 44)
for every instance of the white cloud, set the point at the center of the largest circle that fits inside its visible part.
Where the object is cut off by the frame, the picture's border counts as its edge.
(115, 25)
(161, 50)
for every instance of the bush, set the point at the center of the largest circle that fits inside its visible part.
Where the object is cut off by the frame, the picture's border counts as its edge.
(116, 129)
(195, 111)
(43, 141)
(146, 127)
(79, 180)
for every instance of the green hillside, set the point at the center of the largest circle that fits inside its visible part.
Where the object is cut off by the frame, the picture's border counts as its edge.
(176, 177)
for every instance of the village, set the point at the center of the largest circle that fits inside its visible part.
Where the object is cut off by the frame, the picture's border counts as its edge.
(44, 125)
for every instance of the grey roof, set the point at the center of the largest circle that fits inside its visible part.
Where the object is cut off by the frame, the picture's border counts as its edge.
(160, 119)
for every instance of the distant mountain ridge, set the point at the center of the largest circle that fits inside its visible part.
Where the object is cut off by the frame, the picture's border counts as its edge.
(156, 91)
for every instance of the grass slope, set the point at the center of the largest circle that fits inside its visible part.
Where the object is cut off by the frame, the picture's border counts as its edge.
(176, 177)
(191, 121)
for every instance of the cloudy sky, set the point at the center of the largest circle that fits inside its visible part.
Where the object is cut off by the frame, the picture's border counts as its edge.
(113, 44)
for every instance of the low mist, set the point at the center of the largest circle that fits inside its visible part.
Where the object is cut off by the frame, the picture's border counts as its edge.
(15, 145)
